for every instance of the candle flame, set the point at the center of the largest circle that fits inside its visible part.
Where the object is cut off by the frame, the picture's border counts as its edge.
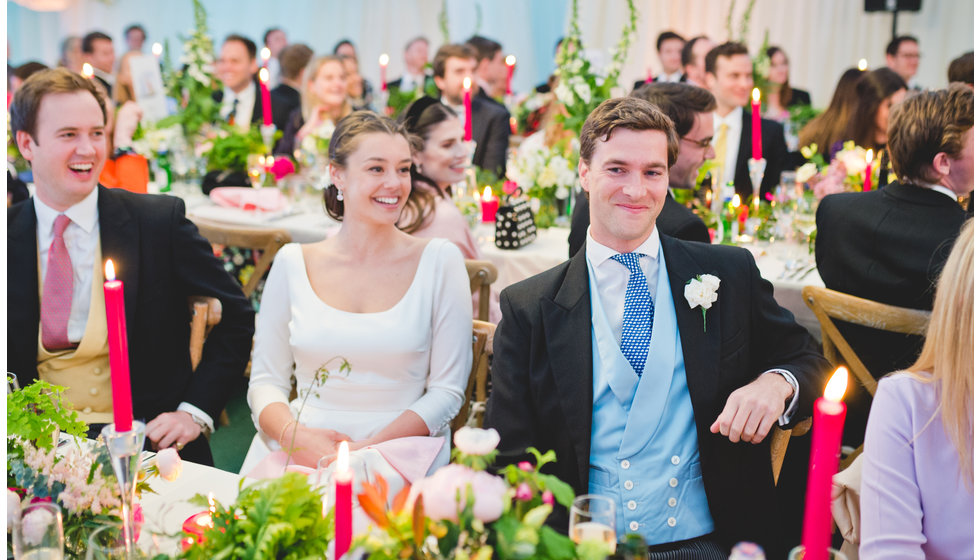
(110, 270)
(157, 49)
(343, 458)
(736, 201)
(863, 64)
(476, 194)
(510, 60)
(467, 83)
(87, 70)
(837, 385)
(487, 193)
(383, 59)
(266, 53)
(756, 95)
(264, 75)
(870, 156)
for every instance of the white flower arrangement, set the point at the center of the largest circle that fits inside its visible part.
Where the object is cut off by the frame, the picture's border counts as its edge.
(702, 291)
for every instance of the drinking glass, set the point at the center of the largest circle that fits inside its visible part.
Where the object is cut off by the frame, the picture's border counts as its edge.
(12, 383)
(593, 518)
(106, 543)
(832, 554)
(38, 534)
(255, 167)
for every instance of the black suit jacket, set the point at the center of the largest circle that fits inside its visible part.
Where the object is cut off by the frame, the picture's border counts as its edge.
(675, 220)
(491, 132)
(278, 104)
(542, 375)
(161, 259)
(285, 99)
(887, 245)
(773, 149)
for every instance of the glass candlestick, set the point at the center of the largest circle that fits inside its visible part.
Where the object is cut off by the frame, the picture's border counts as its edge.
(757, 169)
(124, 453)
(268, 132)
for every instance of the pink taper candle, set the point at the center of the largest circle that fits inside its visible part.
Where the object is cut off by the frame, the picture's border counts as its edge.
(756, 125)
(489, 205)
(869, 157)
(649, 75)
(383, 63)
(828, 426)
(467, 110)
(510, 61)
(266, 96)
(343, 520)
(115, 315)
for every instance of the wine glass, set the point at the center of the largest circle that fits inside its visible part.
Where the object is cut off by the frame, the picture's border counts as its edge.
(106, 543)
(255, 167)
(593, 518)
(38, 534)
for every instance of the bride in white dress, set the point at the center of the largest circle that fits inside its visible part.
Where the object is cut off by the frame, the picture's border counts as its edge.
(396, 307)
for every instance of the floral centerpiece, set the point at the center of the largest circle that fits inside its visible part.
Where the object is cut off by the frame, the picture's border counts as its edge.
(193, 83)
(399, 99)
(464, 512)
(547, 174)
(846, 172)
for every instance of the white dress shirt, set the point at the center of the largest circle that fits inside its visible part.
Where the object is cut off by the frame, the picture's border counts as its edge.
(732, 141)
(82, 239)
(246, 104)
(612, 278)
(945, 191)
(411, 81)
(675, 77)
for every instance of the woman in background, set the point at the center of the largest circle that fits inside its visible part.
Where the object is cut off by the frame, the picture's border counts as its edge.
(917, 478)
(324, 104)
(877, 92)
(827, 128)
(781, 96)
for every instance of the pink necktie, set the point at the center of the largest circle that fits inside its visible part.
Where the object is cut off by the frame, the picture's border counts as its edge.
(58, 286)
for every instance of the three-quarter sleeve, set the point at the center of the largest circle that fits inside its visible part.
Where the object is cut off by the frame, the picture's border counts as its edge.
(272, 356)
(452, 347)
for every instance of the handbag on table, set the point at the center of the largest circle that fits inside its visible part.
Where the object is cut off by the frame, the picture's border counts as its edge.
(514, 225)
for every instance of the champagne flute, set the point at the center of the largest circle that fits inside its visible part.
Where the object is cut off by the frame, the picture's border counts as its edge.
(593, 518)
(38, 534)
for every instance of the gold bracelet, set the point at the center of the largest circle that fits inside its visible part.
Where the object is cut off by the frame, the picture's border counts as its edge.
(283, 432)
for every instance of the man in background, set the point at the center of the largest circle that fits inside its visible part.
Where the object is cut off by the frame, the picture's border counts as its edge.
(287, 96)
(692, 59)
(135, 37)
(275, 40)
(97, 50)
(491, 71)
(416, 57)
(669, 47)
(902, 56)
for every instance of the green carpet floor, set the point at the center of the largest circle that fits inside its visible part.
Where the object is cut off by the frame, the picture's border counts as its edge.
(230, 443)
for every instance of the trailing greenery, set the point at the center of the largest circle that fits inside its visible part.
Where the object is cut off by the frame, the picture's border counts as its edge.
(36, 412)
(230, 153)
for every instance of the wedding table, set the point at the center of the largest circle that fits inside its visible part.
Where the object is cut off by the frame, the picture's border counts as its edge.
(167, 508)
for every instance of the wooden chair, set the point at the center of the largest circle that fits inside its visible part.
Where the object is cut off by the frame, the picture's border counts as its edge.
(482, 274)
(205, 314)
(475, 397)
(828, 304)
(264, 240)
(780, 441)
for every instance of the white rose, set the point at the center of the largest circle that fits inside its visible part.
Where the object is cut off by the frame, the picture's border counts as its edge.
(547, 178)
(805, 172)
(698, 293)
(169, 464)
(853, 160)
(13, 509)
(712, 282)
(476, 441)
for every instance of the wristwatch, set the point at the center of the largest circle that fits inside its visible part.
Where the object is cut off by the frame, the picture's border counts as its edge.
(205, 429)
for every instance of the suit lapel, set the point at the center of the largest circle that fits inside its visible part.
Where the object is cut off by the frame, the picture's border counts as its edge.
(701, 343)
(119, 235)
(744, 145)
(23, 284)
(567, 325)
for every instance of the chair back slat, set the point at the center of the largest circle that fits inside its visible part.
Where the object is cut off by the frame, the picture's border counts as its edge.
(266, 242)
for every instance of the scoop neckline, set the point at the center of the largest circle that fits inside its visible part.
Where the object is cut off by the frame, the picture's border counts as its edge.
(411, 287)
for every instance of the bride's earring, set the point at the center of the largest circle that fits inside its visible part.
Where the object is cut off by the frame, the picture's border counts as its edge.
(340, 195)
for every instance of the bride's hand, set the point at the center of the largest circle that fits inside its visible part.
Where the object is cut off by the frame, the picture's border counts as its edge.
(310, 444)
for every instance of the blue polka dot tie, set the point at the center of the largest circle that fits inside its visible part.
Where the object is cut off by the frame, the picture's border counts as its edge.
(637, 314)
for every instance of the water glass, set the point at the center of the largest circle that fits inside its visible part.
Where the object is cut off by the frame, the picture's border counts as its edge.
(593, 518)
(38, 533)
(106, 543)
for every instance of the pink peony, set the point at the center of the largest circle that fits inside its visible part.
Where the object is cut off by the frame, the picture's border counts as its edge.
(525, 466)
(548, 498)
(524, 492)
(169, 464)
(281, 167)
(444, 494)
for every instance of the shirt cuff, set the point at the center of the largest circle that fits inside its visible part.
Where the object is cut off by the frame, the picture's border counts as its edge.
(197, 413)
(791, 407)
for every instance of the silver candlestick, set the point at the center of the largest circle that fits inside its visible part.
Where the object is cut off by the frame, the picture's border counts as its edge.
(757, 169)
(124, 453)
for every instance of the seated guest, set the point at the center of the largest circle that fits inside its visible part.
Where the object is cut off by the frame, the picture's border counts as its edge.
(827, 129)
(917, 479)
(439, 163)
(325, 102)
(690, 109)
(728, 72)
(358, 88)
(692, 59)
(902, 57)
(71, 54)
(878, 91)
(890, 244)
(669, 47)
(292, 64)
(658, 404)
(781, 96)
(22, 72)
(275, 40)
(135, 37)
(57, 243)
(491, 121)
(239, 96)
(416, 60)
(394, 306)
(961, 69)
(98, 51)
(490, 77)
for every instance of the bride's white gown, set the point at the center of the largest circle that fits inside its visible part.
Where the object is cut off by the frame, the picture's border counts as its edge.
(414, 356)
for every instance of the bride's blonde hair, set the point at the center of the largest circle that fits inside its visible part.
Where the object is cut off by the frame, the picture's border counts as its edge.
(947, 355)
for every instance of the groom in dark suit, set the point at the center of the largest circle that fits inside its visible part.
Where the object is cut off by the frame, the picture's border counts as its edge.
(57, 243)
(655, 368)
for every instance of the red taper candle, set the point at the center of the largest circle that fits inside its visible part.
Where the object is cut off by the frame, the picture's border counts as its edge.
(343, 515)
(510, 61)
(869, 157)
(383, 63)
(828, 427)
(266, 96)
(115, 315)
(467, 110)
(756, 124)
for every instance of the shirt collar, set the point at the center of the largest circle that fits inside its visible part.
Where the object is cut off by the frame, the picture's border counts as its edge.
(944, 190)
(85, 214)
(242, 96)
(597, 253)
(731, 119)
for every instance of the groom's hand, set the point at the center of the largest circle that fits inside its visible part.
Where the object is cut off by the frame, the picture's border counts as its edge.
(752, 410)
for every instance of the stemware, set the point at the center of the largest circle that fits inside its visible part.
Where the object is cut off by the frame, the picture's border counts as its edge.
(255, 167)
(593, 518)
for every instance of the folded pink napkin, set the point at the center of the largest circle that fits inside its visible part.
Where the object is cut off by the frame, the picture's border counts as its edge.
(266, 199)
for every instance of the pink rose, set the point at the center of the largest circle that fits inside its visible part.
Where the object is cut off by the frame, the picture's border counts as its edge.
(281, 167)
(525, 466)
(509, 187)
(444, 493)
(524, 492)
(169, 464)
(548, 498)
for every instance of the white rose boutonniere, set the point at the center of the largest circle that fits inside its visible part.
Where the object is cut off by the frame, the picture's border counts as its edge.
(702, 290)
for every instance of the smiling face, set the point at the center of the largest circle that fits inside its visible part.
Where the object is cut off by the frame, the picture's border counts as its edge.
(417, 56)
(376, 180)
(881, 117)
(778, 68)
(103, 56)
(670, 55)
(905, 62)
(691, 152)
(329, 86)
(451, 85)
(443, 158)
(68, 149)
(731, 82)
(626, 179)
(235, 67)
